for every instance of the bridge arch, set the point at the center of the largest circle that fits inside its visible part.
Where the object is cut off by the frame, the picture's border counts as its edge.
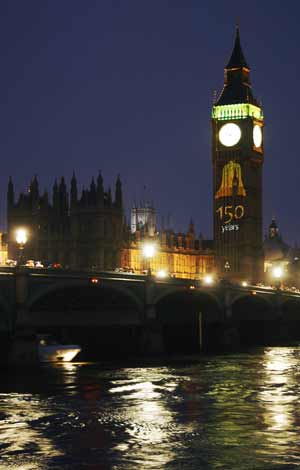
(290, 319)
(255, 299)
(104, 319)
(255, 318)
(290, 307)
(188, 318)
(190, 292)
(44, 291)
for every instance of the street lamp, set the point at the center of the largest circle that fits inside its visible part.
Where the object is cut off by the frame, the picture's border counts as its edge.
(21, 239)
(277, 273)
(208, 280)
(162, 274)
(149, 250)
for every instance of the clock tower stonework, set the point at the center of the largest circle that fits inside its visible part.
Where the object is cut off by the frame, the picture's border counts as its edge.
(237, 154)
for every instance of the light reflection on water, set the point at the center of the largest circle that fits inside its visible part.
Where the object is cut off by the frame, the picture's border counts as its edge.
(237, 411)
(18, 433)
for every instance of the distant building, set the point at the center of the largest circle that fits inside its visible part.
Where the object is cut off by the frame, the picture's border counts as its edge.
(276, 251)
(76, 232)
(143, 217)
(3, 249)
(178, 254)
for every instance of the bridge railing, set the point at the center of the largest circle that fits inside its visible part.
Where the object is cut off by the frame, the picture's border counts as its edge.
(132, 277)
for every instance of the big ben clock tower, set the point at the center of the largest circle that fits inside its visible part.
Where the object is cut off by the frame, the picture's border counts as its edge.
(237, 152)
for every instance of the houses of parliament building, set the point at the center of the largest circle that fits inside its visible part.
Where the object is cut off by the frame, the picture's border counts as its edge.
(71, 230)
(89, 231)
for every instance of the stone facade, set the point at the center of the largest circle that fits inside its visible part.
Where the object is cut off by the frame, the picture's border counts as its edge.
(179, 255)
(78, 232)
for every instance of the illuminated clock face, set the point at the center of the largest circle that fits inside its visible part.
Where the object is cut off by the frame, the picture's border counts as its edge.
(230, 134)
(257, 136)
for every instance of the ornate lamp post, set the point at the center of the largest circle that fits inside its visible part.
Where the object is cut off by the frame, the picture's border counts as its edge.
(21, 239)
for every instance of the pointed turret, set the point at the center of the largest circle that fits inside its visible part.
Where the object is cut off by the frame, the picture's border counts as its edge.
(74, 192)
(55, 197)
(45, 200)
(100, 191)
(190, 236)
(34, 190)
(63, 196)
(237, 86)
(84, 198)
(93, 193)
(191, 227)
(109, 198)
(273, 229)
(199, 242)
(10, 194)
(62, 185)
(118, 194)
(237, 59)
(35, 184)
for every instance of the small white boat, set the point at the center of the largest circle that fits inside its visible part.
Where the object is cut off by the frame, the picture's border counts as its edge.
(51, 351)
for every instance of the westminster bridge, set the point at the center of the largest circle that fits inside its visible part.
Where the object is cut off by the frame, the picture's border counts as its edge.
(118, 311)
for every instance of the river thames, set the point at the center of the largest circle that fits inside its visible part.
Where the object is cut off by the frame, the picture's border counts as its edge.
(233, 411)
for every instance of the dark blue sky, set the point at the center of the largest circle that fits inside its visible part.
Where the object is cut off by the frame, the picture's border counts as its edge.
(126, 87)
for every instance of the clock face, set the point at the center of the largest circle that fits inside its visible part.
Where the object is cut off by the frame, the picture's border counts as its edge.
(257, 136)
(230, 134)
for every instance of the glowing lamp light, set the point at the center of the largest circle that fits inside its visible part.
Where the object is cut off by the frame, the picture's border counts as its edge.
(192, 287)
(149, 250)
(161, 274)
(208, 280)
(244, 283)
(94, 280)
(277, 272)
(21, 236)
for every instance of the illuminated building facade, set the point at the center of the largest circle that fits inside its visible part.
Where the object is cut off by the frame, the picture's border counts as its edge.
(278, 254)
(237, 154)
(176, 254)
(3, 249)
(143, 216)
(276, 251)
(76, 232)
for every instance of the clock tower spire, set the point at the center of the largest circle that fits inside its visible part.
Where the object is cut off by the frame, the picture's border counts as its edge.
(237, 153)
(237, 59)
(237, 86)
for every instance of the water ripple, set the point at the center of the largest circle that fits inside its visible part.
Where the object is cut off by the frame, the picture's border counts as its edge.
(236, 411)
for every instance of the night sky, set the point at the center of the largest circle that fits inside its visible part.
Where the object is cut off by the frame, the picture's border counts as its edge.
(127, 87)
